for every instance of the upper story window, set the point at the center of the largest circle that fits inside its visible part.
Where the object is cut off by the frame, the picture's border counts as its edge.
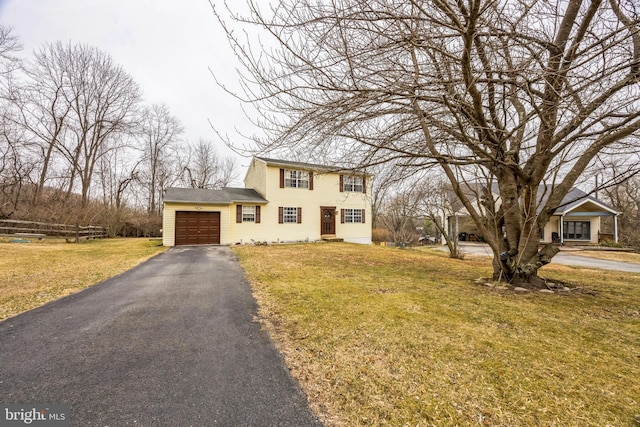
(352, 183)
(296, 179)
(293, 178)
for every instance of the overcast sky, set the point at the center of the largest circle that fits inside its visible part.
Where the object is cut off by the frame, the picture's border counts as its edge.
(167, 46)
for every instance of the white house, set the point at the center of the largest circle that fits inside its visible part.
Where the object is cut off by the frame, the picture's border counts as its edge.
(283, 201)
(576, 221)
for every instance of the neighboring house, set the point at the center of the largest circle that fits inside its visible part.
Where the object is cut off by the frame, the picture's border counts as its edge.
(576, 221)
(283, 201)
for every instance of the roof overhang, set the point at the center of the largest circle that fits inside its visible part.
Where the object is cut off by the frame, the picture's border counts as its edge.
(605, 210)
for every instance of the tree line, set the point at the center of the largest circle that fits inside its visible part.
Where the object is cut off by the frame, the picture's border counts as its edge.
(78, 143)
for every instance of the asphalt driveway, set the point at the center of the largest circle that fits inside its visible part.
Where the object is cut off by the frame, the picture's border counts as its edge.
(173, 342)
(565, 258)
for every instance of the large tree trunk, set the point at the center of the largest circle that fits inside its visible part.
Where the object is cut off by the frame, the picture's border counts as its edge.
(509, 267)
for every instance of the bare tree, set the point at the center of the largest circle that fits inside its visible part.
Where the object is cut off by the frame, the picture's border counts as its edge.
(400, 214)
(14, 169)
(624, 197)
(160, 133)
(9, 44)
(103, 100)
(439, 204)
(513, 100)
(39, 107)
(73, 103)
(206, 170)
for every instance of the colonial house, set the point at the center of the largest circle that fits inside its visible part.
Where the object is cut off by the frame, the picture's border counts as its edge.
(282, 201)
(577, 221)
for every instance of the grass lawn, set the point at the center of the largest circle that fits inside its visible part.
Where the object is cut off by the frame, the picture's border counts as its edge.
(32, 274)
(383, 336)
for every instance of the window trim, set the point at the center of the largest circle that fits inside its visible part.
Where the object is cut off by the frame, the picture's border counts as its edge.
(296, 178)
(349, 215)
(240, 214)
(567, 236)
(282, 215)
(353, 186)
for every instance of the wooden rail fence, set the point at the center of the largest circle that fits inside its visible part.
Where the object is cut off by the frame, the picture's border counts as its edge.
(16, 228)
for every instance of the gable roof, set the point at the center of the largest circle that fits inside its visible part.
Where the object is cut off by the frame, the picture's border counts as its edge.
(225, 196)
(575, 198)
(571, 201)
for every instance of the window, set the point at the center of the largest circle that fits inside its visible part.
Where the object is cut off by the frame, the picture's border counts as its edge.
(288, 215)
(247, 214)
(576, 230)
(352, 216)
(352, 183)
(296, 179)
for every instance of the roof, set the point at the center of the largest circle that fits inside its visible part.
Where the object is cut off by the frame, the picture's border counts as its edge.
(571, 201)
(303, 165)
(225, 196)
(575, 198)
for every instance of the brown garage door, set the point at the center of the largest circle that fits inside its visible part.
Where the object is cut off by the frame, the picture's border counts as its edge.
(197, 228)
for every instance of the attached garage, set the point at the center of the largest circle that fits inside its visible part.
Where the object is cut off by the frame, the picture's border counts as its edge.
(195, 216)
(197, 228)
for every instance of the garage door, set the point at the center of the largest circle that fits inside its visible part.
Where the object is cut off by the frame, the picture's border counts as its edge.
(197, 228)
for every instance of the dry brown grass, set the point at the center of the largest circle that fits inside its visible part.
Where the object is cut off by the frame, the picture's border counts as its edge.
(382, 336)
(32, 274)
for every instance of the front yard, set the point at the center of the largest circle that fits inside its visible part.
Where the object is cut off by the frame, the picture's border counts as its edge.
(32, 274)
(382, 336)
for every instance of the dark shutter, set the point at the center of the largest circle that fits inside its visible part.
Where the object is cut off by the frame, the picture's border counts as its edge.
(239, 213)
(281, 178)
(280, 215)
(341, 212)
(257, 214)
(341, 183)
(310, 180)
(364, 186)
(299, 215)
(363, 211)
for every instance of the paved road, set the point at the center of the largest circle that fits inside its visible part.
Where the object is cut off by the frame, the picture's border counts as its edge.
(172, 342)
(565, 258)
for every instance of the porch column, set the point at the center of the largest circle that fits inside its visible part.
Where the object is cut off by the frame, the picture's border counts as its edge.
(615, 228)
(561, 229)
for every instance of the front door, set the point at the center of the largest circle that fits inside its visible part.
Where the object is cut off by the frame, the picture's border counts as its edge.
(328, 220)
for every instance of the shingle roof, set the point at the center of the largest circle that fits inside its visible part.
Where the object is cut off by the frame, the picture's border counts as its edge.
(225, 196)
(303, 165)
(575, 197)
